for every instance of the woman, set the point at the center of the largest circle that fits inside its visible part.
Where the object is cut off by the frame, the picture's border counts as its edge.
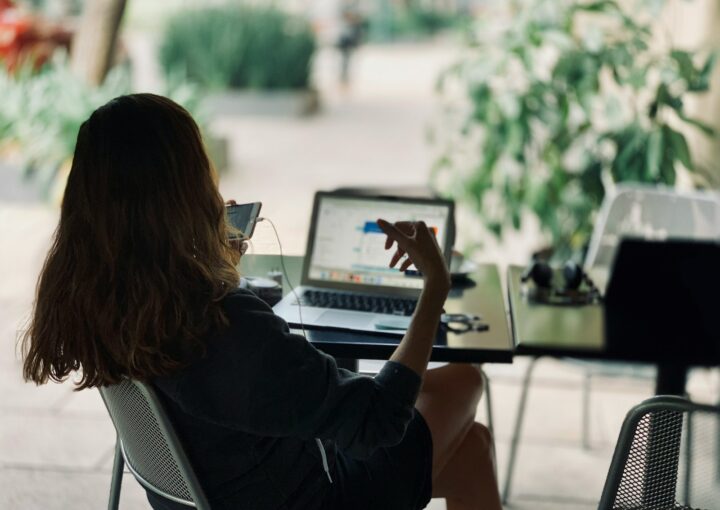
(141, 282)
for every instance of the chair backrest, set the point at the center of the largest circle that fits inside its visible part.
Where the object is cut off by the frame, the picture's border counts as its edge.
(651, 213)
(149, 445)
(666, 458)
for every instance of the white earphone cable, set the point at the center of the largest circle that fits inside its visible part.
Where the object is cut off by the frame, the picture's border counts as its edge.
(320, 445)
(285, 274)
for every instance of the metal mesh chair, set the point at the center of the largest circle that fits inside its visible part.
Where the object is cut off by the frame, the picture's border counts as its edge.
(149, 446)
(665, 458)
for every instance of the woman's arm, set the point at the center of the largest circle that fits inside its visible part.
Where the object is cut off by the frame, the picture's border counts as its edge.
(259, 378)
(417, 241)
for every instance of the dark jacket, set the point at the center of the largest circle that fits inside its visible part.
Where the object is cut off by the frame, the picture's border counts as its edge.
(249, 411)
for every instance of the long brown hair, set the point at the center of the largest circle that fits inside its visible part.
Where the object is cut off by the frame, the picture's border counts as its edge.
(140, 260)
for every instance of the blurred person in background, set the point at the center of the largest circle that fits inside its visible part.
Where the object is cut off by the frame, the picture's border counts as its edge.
(352, 29)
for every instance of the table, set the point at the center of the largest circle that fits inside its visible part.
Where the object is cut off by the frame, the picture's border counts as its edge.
(577, 332)
(483, 296)
(580, 332)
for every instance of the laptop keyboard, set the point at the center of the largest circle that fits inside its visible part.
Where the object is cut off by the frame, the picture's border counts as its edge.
(358, 302)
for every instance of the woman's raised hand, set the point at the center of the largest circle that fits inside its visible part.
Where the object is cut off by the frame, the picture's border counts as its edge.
(417, 241)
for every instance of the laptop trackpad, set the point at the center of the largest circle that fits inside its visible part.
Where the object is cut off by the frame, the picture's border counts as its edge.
(341, 319)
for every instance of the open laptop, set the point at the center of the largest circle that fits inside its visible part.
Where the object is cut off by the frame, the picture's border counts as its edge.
(346, 282)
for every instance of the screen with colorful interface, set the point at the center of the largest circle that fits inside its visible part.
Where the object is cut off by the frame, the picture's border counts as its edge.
(349, 247)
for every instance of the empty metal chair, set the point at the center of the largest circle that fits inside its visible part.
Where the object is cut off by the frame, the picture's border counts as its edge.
(665, 458)
(650, 212)
(148, 444)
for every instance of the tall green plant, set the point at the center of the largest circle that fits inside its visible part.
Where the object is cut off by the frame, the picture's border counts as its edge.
(568, 97)
(239, 46)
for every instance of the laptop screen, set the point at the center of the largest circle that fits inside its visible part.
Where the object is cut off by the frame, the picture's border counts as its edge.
(348, 247)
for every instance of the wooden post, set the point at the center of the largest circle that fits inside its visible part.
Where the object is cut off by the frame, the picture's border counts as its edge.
(94, 42)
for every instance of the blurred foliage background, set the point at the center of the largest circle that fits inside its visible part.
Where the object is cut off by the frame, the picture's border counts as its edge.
(551, 102)
(394, 21)
(559, 104)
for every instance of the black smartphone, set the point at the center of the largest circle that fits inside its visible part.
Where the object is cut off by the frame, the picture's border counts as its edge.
(243, 217)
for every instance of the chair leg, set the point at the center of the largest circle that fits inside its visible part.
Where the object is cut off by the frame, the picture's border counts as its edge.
(116, 480)
(488, 401)
(514, 442)
(586, 410)
(717, 434)
(488, 410)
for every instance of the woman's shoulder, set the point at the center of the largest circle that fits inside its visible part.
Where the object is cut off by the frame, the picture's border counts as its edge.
(239, 298)
(250, 318)
(243, 304)
(250, 325)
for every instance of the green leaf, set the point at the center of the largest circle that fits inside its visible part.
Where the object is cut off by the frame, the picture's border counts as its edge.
(637, 77)
(701, 83)
(702, 126)
(685, 64)
(629, 142)
(515, 217)
(665, 98)
(654, 154)
(602, 5)
(707, 69)
(495, 228)
(680, 148)
(667, 165)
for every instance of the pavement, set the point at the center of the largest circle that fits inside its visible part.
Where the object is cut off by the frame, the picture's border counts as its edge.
(56, 445)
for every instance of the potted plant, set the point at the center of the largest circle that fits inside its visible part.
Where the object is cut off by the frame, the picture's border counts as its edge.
(564, 101)
(251, 59)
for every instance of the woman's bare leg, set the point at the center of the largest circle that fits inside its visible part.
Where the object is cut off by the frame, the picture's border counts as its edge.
(468, 480)
(448, 401)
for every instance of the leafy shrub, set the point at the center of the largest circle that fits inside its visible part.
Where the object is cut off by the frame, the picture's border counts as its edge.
(239, 46)
(41, 114)
(568, 98)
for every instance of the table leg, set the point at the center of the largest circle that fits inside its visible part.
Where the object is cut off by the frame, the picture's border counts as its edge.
(515, 440)
(348, 364)
(717, 453)
(671, 379)
(664, 440)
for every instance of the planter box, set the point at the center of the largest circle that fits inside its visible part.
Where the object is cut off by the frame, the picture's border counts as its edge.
(14, 187)
(218, 149)
(285, 103)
